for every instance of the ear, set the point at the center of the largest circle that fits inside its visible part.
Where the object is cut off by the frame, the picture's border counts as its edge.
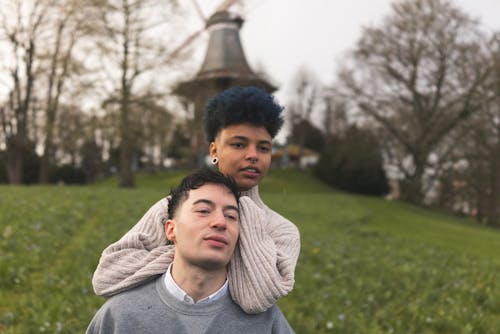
(212, 149)
(170, 230)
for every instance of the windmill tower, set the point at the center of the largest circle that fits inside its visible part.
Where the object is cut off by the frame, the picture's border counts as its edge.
(224, 66)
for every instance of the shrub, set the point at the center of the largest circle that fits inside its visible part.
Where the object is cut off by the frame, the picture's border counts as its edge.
(3, 171)
(354, 163)
(67, 174)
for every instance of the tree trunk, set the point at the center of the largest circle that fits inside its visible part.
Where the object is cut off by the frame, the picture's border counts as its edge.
(43, 176)
(494, 198)
(126, 174)
(45, 161)
(14, 165)
(411, 188)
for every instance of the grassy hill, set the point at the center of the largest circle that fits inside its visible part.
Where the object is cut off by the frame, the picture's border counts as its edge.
(367, 265)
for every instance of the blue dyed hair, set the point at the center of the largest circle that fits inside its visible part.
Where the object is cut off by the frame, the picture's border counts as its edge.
(239, 105)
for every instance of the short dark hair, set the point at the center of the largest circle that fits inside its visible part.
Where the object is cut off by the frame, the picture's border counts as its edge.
(238, 105)
(194, 181)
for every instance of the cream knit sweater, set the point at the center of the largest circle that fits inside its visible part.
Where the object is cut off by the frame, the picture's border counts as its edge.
(261, 270)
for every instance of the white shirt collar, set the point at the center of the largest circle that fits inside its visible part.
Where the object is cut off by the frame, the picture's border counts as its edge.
(181, 295)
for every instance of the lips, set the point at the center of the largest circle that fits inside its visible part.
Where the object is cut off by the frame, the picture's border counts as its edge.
(250, 171)
(217, 238)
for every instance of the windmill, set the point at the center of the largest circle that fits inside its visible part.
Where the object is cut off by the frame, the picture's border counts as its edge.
(224, 66)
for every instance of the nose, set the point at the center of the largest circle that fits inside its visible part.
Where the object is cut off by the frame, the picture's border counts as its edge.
(219, 221)
(252, 154)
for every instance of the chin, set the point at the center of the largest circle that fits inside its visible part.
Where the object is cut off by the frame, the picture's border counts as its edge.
(213, 264)
(247, 185)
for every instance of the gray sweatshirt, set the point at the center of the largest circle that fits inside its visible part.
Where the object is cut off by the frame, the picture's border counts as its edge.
(150, 308)
(260, 272)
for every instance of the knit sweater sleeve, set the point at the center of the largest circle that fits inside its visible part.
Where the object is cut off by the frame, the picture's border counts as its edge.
(263, 265)
(138, 256)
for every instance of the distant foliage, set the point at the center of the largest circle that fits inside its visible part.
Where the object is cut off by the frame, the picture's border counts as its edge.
(92, 165)
(180, 145)
(3, 170)
(353, 162)
(67, 174)
(312, 136)
(31, 166)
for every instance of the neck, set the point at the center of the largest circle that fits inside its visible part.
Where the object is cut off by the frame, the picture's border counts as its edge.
(198, 282)
(253, 193)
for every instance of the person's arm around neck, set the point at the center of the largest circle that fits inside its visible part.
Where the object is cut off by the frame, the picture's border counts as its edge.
(139, 255)
(262, 269)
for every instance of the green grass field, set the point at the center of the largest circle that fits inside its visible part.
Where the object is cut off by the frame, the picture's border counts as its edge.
(366, 266)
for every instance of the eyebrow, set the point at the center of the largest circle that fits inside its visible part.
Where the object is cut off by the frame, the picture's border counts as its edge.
(211, 203)
(246, 139)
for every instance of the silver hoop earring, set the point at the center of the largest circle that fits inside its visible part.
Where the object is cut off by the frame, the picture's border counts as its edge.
(215, 161)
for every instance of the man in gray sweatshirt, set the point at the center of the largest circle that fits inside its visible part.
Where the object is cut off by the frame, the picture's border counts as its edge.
(193, 295)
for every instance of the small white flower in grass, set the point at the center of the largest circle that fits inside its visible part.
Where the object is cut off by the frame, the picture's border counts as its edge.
(329, 324)
(428, 319)
(341, 317)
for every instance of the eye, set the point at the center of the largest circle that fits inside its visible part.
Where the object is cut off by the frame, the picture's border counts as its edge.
(264, 149)
(203, 211)
(232, 217)
(238, 145)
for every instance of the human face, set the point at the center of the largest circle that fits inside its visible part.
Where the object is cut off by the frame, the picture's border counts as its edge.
(205, 227)
(244, 152)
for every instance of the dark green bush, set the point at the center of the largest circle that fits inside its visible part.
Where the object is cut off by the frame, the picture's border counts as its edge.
(67, 174)
(353, 163)
(3, 170)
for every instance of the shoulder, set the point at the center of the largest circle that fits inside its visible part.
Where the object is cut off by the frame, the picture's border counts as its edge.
(137, 301)
(134, 300)
(273, 217)
(135, 311)
(277, 220)
(135, 296)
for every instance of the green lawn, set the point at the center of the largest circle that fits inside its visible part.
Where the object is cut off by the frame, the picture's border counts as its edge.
(367, 265)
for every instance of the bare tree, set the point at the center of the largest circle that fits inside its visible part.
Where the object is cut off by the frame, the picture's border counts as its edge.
(335, 117)
(72, 130)
(154, 126)
(132, 45)
(305, 97)
(479, 149)
(68, 29)
(418, 76)
(23, 24)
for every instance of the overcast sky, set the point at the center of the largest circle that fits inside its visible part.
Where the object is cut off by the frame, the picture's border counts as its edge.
(283, 35)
